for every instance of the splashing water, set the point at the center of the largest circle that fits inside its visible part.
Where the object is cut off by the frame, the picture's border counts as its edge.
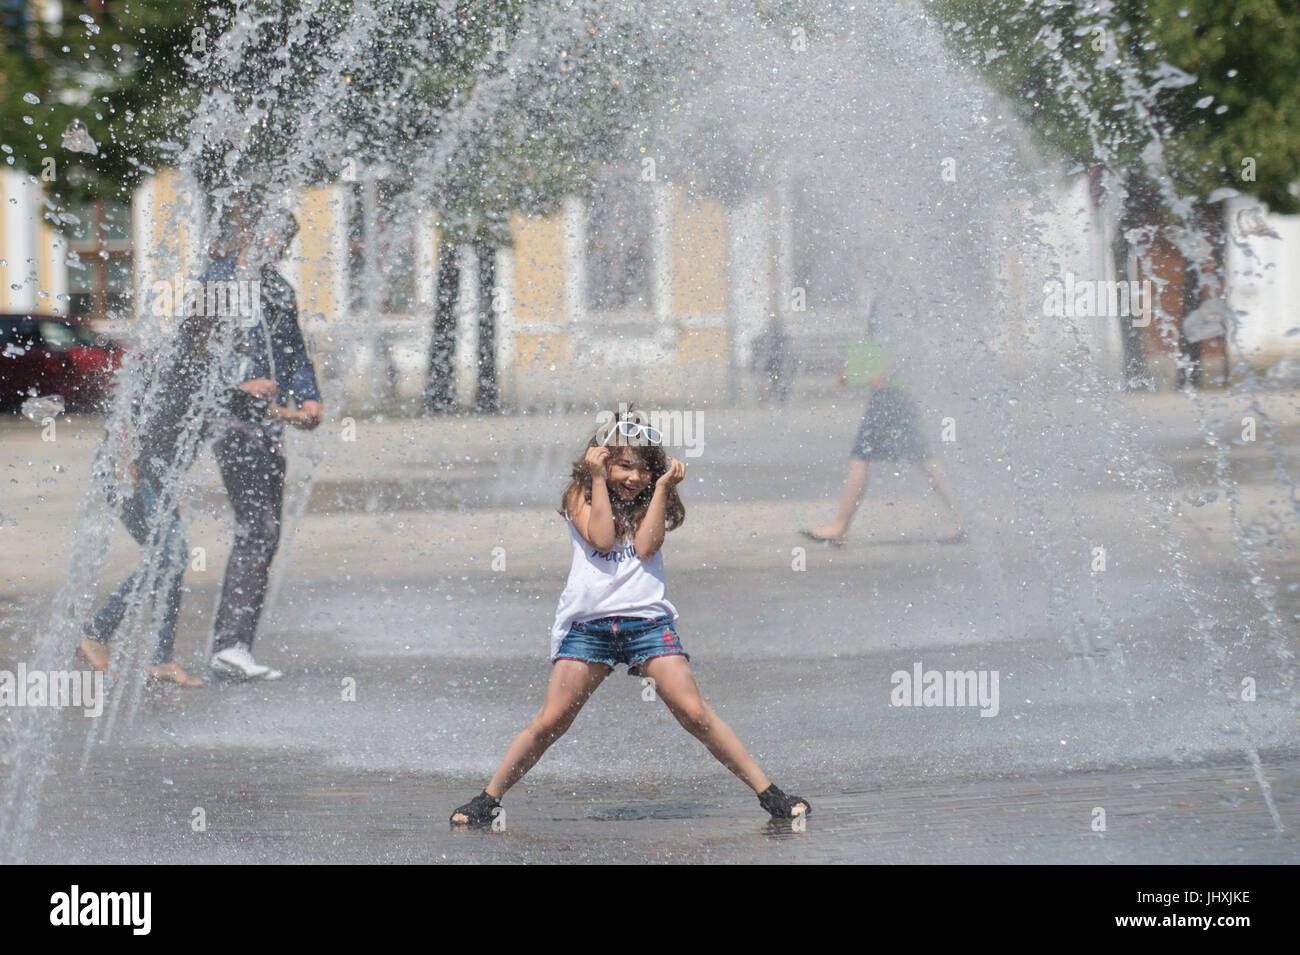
(852, 132)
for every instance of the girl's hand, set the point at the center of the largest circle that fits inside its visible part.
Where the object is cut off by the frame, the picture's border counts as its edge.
(263, 388)
(675, 474)
(313, 412)
(296, 418)
(597, 459)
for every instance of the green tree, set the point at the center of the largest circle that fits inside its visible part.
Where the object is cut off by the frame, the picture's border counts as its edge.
(566, 93)
(121, 75)
(1216, 83)
(479, 108)
(1177, 100)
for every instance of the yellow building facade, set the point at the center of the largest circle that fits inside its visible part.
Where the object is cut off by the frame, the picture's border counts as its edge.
(663, 309)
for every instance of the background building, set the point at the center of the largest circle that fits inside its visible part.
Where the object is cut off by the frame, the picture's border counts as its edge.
(637, 279)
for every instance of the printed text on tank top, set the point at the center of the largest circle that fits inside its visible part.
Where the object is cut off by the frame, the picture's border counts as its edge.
(628, 551)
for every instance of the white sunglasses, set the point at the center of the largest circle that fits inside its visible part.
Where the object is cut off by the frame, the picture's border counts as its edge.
(631, 429)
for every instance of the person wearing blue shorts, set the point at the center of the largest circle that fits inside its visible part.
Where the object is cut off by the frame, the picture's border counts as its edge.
(628, 640)
(614, 610)
(890, 431)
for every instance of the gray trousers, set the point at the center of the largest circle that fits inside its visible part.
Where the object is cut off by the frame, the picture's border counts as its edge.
(251, 459)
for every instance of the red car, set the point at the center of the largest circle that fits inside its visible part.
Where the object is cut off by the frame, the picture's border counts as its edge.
(46, 355)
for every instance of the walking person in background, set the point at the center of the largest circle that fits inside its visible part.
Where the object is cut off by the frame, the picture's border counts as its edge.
(889, 430)
(181, 395)
(151, 444)
(271, 365)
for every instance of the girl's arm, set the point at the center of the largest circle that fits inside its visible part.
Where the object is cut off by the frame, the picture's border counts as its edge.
(285, 413)
(650, 535)
(595, 521)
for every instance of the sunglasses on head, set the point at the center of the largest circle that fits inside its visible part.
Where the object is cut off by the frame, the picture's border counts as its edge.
(632, 430)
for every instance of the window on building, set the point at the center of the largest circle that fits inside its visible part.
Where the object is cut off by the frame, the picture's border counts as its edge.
(619, 224)
(99, 269)
(396, 249)
(381, 249)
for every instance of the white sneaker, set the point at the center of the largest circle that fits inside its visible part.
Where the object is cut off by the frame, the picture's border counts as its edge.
(238, 661)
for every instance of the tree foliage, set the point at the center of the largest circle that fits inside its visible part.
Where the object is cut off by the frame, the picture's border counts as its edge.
(120, 74)
(479, 107)
(1202, 92)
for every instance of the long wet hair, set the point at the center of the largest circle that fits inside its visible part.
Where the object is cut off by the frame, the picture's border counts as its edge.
(627, 514)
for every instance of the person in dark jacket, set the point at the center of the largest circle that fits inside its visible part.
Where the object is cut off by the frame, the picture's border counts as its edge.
(270, 364)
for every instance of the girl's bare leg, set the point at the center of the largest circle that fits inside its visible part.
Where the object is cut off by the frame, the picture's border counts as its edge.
(675, 685)
(572, 683)
(854, 487)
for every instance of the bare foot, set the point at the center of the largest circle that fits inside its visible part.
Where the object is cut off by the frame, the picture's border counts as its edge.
(173, 673)
(826, 534)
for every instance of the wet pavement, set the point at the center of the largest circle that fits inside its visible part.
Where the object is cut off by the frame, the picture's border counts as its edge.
(1118, 691)
(275, 807)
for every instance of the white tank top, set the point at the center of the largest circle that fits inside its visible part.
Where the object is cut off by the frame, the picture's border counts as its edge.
(608, 584)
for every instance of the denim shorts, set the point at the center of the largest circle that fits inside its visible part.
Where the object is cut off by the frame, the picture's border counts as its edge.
(630, 640)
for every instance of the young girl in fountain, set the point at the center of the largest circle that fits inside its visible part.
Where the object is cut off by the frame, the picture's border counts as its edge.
(621, 498)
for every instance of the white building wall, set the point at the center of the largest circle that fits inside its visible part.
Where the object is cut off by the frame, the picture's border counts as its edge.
(1262, 262)
(505, 325)
(466, 358)
(749, 252)
(20, 274)
(1075, 235)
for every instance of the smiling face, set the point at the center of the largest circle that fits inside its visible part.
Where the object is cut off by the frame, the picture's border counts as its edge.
(628, 474)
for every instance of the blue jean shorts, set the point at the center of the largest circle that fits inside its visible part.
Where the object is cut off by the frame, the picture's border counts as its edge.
(630, 640)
